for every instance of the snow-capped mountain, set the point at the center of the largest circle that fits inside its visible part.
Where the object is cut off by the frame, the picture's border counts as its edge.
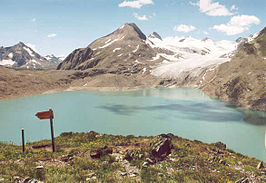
(189, 54)
(124, 51)
(22, 56)
(171, 57)
(54, 59)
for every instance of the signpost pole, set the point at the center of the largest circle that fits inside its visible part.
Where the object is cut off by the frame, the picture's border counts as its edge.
(23, 142)
(48, 115)
(52, 130)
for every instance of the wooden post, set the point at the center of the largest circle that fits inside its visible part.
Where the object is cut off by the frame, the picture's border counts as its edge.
(23, 142)
(52, 130)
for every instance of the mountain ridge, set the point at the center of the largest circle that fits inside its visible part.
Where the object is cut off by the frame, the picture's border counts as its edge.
(125, 59)
(22, 56)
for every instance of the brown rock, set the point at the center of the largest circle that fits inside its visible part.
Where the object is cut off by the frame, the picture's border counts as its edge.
(101, 152)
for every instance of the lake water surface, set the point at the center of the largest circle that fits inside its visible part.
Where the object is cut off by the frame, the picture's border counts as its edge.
(188, 113)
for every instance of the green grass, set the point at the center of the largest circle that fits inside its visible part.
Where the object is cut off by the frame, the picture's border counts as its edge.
(190, 161)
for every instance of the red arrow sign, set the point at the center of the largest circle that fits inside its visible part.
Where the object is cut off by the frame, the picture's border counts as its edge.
(45, 114)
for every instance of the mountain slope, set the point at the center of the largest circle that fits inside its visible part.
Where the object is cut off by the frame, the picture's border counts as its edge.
(242, 81)
(17, 83)
(128, 52)
(122, 52)
(22, 56)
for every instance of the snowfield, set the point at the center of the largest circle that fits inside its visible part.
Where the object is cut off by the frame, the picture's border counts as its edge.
(190, 55)
(7, 62)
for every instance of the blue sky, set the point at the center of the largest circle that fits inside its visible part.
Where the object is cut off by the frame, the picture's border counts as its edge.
(60, 26)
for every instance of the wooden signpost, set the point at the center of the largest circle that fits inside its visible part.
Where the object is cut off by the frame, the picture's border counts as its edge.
(23, 142)
(48, 115)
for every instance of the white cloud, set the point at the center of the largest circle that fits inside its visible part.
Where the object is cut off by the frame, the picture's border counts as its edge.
(205, 32)
(143, 18)
(32, 46)
(184, 28)
(233, 7)
(51, 35)
(212, 8)
(135, 4)
(237, 24)
(33, 20)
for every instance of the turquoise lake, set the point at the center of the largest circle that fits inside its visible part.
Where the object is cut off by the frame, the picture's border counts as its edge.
(188, 113)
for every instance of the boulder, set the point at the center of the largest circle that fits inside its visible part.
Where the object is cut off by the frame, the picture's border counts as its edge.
(133, 154)
(260, 165)
(101, 152)
(30, 180)
(67, 158)
(162, 148)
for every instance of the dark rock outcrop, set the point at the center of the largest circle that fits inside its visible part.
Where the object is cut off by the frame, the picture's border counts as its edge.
(155, 35)
(77, 57)
(101, 152)
(162, 148)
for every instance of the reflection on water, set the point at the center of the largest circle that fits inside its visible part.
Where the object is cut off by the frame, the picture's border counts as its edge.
(202, 112)
(252, 117)
(194, 103)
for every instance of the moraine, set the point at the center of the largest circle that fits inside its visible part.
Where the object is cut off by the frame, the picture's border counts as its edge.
(184, 112)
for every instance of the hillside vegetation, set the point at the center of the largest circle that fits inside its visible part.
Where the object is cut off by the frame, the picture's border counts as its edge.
(94, 157)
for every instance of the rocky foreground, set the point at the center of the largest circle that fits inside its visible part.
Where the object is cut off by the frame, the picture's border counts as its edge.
(94, 157)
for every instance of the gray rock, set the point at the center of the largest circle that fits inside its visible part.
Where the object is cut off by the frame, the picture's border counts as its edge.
(39, 167)
(260, 165)
(133, 154)
(145, 164)
(123, 174)
(30, 180)
(67, 158)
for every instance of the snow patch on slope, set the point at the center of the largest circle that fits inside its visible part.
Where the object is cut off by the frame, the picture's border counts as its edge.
(111, 42)
(29, 51)
(8, 62)
(134, 51)
(116, 49)
(10, 55)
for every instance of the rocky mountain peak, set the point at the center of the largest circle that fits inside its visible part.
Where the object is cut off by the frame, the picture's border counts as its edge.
(19, 45)
(155, 35)
(130, 31)
(123, 50)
